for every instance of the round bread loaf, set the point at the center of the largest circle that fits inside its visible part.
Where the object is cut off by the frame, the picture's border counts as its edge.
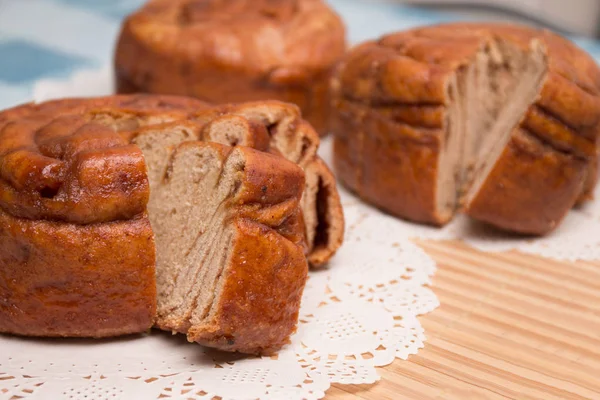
(94, 193)
(233, 51)
(500, 121)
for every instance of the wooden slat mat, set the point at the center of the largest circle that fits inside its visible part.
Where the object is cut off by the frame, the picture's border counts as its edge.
(510, 325)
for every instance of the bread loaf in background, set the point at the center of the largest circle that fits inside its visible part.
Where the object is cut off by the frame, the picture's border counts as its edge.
(500, 121)
(233, 51)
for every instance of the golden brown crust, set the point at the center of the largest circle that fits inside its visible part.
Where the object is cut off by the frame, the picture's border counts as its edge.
(78, 173)
(390, 101)
(242, 325)
(216, 51)
(65, 279)
(528, 163)
(388, 163)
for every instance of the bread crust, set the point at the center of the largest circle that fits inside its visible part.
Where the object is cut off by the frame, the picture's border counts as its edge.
(389, 105)
(233, 51)
(389, 164)
(65, 279)
(528, 162)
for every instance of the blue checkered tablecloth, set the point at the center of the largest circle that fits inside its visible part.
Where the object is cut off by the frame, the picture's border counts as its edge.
(54, 38)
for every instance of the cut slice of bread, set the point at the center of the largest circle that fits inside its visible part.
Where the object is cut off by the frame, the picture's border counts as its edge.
(230, 255)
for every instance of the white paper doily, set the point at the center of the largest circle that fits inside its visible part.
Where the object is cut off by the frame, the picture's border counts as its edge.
(577, 238)
(358, 314)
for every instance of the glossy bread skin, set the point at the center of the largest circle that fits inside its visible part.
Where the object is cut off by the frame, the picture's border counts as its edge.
(233, 51)
(389, 164)
(65, 279)
(389, 107)
(77, 250)
(529, 163)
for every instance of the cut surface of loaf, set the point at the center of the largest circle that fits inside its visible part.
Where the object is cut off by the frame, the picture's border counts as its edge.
(229, 236)
(489, 98)
(472, 117)
(91, 186)
(233, 51)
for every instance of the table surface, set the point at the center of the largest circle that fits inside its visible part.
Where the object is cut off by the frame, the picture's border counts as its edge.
(510, 326)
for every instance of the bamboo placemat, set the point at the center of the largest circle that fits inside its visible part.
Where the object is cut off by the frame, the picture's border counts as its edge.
(510, 325)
